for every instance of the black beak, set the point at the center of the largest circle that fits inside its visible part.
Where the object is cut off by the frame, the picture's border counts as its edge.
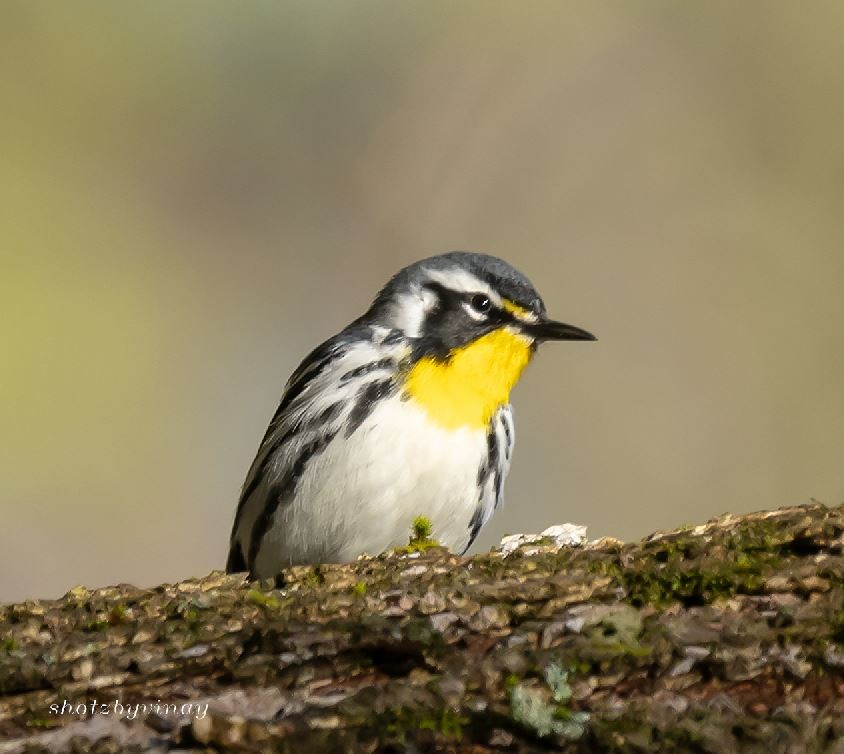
(548, 329)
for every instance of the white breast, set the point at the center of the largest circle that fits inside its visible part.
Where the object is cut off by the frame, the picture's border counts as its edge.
(362, 493)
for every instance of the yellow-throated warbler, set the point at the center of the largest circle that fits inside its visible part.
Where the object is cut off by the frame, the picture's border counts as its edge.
(403, 413)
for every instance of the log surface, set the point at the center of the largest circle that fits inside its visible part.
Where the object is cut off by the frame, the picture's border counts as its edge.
(728, 636)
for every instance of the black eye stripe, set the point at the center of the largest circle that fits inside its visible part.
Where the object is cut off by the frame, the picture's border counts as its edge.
(441, 293)
(449, 300)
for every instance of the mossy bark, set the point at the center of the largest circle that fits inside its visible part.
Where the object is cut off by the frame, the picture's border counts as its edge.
(723, 637)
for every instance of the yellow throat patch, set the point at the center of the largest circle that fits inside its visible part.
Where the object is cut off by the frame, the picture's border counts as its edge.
(467, 388)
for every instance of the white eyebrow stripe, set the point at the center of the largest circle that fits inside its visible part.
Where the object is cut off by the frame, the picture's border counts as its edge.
(463, 281)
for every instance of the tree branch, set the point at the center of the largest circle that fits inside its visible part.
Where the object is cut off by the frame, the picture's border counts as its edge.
(728, 636)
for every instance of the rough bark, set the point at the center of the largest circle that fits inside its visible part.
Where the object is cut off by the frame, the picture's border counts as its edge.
(723, 637)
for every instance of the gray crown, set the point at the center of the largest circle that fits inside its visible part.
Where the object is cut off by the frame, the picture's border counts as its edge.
(502, 277)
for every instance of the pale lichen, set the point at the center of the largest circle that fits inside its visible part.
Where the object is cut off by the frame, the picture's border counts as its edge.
(531, 708)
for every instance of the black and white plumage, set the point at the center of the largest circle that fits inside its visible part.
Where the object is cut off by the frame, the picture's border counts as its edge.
(403, 413)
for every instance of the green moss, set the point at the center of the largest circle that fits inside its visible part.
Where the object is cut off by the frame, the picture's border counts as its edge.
(359, 589)
(191, 618)
(420, 537)
(117, 615)
(582, 667)
(608, 650)
(421, 528)
(612, 729)
(77, 598)
(8, 645)
(264, 600)
(446, 723)
(693, 585)
(42, 722)
(314, 577)
(677, 568)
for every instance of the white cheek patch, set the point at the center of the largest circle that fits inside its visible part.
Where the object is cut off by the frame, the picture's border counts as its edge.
(410, 309)
(429, 299)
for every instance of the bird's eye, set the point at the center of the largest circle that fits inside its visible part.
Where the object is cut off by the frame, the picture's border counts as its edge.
(481, 303)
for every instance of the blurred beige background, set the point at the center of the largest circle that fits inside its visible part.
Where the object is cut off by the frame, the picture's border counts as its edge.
(194, 194)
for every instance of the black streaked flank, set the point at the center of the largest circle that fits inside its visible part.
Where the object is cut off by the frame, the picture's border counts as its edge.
(368, 396)
(235, 562)
(327, 415)
(492, 446)
(393, 338)
(499, 482)
(484, 471)
(315, 363)
(508, 436)
(490, 463)
(267, 458)
(364, 369)
(307, 372)
(281, 491)
(310, 369)
(475, 526)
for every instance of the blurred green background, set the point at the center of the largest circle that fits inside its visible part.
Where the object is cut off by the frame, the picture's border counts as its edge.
(196, 193)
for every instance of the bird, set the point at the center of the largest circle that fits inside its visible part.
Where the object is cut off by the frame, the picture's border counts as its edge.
(403, 413)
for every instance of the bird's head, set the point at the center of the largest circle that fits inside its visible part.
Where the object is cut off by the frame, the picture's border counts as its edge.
(451, 300)
(473, 323)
